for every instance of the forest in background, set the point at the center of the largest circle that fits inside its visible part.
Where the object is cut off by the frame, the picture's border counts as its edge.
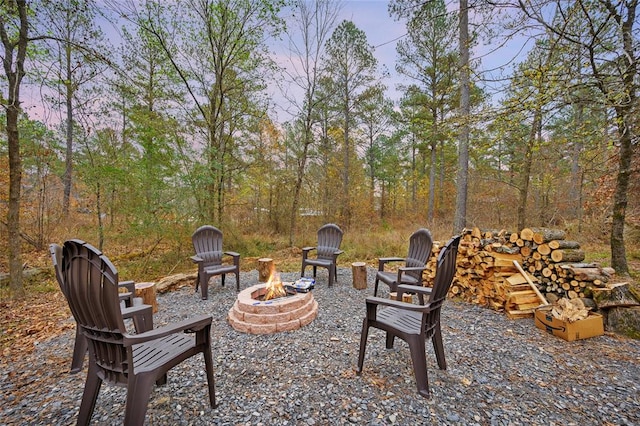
(170, 125)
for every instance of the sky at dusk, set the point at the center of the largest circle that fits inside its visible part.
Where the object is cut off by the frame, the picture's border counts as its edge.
(382, 31)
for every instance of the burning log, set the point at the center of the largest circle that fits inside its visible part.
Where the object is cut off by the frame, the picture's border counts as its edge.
(274, 287)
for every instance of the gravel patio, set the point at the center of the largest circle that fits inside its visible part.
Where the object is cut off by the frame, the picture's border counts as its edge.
(500, 372)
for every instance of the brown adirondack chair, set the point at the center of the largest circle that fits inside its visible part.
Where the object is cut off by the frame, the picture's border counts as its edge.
(327, 251)
(207, 242)
(414, 323)
(140, 314)
(420, 245)
(134, 361)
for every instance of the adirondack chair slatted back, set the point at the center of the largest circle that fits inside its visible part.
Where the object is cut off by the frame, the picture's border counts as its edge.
(56, 258)
(207, 242)
(445, 272)
(329, 240)
(135, 361)
(92, 285)
(420, 245)
(414, 323)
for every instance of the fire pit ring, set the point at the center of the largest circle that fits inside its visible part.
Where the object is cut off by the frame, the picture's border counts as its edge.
(250, 314)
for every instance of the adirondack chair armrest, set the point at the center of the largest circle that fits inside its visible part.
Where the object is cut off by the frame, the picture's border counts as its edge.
(384, 260)
(187, 326)
(407, 288)
(419, 290)
(305, 251)
(129, 285)
(136, 310)
(338, 252)
(374, 302)
(232, 253)
(404, 269)
(196, 259)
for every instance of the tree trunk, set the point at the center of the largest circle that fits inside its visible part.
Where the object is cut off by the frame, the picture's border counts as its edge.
(460, 218)
(523, 189)
(68, 171)
(432, 186)
(618, 251)
(14, 71)
(624, 115)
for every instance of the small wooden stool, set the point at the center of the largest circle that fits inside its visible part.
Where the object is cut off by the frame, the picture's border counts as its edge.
(265, 268)
(359, 271)
(147, 291)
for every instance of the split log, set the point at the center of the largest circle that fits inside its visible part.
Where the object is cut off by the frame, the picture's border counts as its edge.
(265, 269)
(505, 260)
(533, 286)
(563, 244)
(544, 249)
(584, 265)
(614, 295)
(359, 271)
(476, 233)
(568, 255)
(526, 234)
(516, 279)
(587, 274)
(547, 234)
(147, 291)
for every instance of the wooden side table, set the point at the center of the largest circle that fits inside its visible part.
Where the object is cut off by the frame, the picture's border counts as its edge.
(265, 268)
(359, 271)
(147, 291)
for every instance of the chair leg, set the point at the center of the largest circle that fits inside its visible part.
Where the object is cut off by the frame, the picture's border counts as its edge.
(237, 280)
(363, 345)
(331, 274)
(89, 396)
(197, 281)
(375, 288)
(223, 276)
(419, 360)
(204, 286)
(79, 350)
(390, 340)
(138, 393)
(208, 363)
(438, 347)
(162, 380)
(302, 271)
(314, 271)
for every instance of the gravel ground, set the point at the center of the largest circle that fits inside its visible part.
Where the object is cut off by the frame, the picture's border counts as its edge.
(500, 372)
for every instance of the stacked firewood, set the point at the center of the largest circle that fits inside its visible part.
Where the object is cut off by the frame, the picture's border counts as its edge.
(486, 273)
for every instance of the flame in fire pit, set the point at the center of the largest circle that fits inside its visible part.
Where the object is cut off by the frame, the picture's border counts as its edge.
(274, 287)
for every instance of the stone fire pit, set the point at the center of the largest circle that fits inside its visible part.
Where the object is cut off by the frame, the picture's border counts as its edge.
(250, 314)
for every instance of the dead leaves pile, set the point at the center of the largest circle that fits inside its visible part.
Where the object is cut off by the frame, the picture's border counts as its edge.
(37, 318)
